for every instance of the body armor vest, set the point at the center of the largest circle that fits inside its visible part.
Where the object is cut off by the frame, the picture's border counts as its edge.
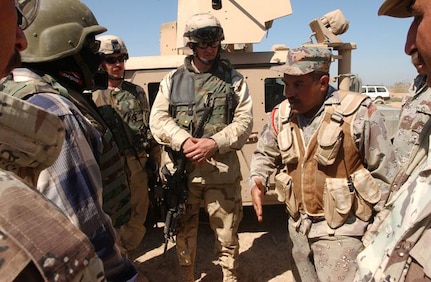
(116, 193)
(327, 177)
(192, 92)
(128, 119)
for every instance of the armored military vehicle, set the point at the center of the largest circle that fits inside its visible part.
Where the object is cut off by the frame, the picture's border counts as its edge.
(266, 86)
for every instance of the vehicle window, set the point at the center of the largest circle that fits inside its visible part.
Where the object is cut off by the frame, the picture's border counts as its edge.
(153, 88)
(381, 89)
(274, 93)
(364, 90)
(371, 90)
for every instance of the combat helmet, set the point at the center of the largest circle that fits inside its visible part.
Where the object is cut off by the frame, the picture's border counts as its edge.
(202, 27)
(111, 44)
(59, 30)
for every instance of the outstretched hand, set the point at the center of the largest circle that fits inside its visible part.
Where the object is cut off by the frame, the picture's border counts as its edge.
(257, 193)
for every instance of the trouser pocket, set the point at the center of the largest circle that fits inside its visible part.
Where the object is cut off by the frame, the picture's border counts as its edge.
(337, 201)
(284, 190)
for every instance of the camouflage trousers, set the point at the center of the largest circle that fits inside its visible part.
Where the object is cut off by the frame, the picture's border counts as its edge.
(224, 206)
(326, 258)
(132, 233)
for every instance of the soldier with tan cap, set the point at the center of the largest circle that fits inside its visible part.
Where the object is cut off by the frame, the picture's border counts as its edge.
(124, 106)
(397, 245)
(333, 161)
(37, 241)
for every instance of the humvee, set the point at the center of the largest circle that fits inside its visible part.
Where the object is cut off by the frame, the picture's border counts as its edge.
(266, 86)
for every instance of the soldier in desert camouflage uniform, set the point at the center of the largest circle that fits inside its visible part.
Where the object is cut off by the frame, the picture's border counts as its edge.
(333, 159)
(31, 139)
(125, 108)
(397, 247)
(415, 114)
(213, 171)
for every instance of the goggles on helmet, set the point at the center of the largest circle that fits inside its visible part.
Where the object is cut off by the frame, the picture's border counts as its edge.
(206, 34)
(26, 11)
(112, 60)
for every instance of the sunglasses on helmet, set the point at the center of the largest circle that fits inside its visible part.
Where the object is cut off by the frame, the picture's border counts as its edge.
(26, 11)
(208, 34)
(113, 60)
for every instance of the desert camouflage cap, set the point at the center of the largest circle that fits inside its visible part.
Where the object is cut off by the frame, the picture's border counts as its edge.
(305, 60)
(396, 8)
(111, 44)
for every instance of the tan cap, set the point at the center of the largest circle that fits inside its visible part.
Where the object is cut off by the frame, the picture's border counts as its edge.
(305, 60)
(396, 8)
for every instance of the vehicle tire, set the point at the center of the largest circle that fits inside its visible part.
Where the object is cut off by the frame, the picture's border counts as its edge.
(379, 100)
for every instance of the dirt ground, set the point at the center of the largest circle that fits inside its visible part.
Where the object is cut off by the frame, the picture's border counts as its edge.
(263, 251)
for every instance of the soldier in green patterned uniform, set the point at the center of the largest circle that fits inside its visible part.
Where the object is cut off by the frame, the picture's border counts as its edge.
(397, 245)
(334, 163)
(205, 84)
(125, 108)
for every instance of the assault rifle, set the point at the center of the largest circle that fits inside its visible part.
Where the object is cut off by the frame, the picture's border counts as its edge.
(176, 189)
(156, 193)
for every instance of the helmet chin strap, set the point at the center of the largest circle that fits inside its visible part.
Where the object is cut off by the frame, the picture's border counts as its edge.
(116, 78)
(205, 61)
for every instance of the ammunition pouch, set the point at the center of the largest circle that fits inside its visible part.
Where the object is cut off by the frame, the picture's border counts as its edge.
(337, 201)
(285, 193)
(288, 145)
(330, 140)
(341, 196)
(367, 194)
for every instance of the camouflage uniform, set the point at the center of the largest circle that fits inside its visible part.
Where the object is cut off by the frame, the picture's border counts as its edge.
(216, 181)
(30, 225)
(396, 244)
(88, 141)
(414, 118)
(400, 251)
(333, 173)
(126, 110)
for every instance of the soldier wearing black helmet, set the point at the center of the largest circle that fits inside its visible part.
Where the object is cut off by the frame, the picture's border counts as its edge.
(60, 62)
(205, 143)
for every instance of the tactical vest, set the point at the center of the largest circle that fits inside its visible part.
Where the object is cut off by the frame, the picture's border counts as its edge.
(34, 231)
(116, 193)
(191, 92)
(325, 179)
(128, 119)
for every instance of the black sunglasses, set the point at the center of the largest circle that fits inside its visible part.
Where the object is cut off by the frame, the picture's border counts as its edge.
(204, 45)
(113, 60)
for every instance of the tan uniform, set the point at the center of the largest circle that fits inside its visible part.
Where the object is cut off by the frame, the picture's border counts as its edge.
(216, 181)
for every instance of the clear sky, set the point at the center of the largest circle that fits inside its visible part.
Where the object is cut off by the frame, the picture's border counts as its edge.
(378, 59)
